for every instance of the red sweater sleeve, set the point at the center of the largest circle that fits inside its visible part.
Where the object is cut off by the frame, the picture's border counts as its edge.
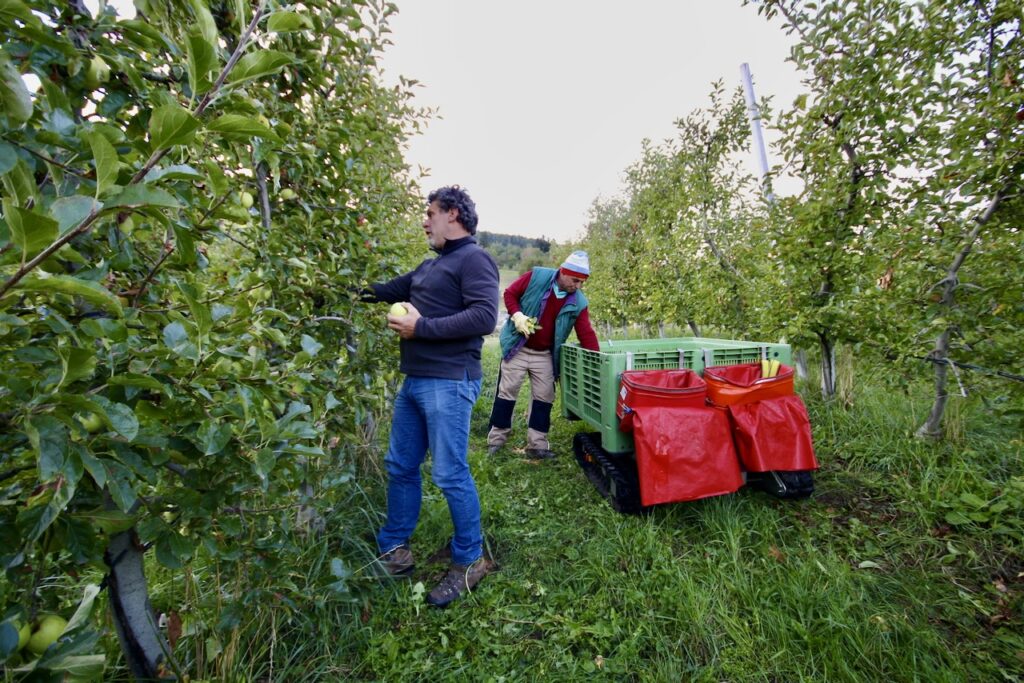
(515, 291)
(585, 331)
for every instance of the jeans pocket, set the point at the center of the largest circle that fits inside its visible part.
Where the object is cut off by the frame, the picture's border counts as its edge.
(469, 389)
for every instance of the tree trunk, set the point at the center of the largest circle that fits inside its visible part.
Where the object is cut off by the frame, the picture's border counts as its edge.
(694, 327)
(932, 427)
(828, 366)
(144, 647)
(800, 363)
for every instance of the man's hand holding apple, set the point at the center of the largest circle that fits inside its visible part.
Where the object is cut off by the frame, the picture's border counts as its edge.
(404, 325)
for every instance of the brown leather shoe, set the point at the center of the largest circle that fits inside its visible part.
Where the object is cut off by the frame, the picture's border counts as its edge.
(398, 561)
(458, 580)
(539, 454)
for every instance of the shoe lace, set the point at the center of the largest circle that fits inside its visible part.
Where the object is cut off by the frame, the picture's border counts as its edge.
(456, 580)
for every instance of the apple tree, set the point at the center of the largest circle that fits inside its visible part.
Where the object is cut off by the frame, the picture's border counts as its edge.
(188, 198)
(909, 144)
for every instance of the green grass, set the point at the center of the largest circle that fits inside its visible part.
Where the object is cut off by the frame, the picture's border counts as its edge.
(865, 581)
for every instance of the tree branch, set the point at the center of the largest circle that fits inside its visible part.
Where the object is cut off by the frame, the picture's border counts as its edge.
(261, 183)
(47, 159)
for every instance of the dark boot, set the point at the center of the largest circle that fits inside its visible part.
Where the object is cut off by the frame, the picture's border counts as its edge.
(458, 580)
(398, 561)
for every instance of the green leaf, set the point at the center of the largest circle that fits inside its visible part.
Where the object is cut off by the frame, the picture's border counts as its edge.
(105, 159)
(84, 609)
(955, 517)
(122, 418)
(212, 436)
(71, 211)
(175, 172)
(15, 100)
(15, 9)
(8, 639)
(49, 438)
(171, 125)
(107, 521)
(78, 402)
(264, 462)
(8, 157)
(973, 500)
(284, 21)
(173, 549)
(119, 484)
(200, 312)
(242, 11)
(202, 61)
(113, 330)
(76, 363)
(258, 64)
(136, 196)
(91, 292)
(186, 245)
(218, 180)
(31, 232)
(80, 667)
(130, 379)
(310, 345)
(177, 340)
(21, 184)
(237, 127)
(143, 33)
(204, 20)
(92, 465)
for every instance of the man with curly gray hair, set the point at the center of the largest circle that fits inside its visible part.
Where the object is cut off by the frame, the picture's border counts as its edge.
(450, 302)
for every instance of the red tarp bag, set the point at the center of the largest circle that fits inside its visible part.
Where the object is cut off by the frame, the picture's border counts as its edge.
(732, 384)
(646, 388)
(684, 449)
(769, 421)
(684, 453)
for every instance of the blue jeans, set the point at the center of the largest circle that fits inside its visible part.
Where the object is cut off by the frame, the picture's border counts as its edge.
(432, 413)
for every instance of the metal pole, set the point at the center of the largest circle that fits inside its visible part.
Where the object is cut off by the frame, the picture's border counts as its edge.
(754, 114)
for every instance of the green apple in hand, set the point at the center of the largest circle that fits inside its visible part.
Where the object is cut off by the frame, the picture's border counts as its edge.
(398, 310)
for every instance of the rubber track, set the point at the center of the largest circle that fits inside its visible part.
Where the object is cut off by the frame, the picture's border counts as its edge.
(614, 476)
(788, 485)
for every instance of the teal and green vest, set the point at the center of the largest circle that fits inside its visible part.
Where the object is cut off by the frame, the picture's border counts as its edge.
(537, 291)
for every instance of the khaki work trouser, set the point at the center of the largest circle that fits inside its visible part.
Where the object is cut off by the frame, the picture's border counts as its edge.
(538, 367)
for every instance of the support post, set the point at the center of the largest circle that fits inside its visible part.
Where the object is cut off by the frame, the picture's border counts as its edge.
(754, 115)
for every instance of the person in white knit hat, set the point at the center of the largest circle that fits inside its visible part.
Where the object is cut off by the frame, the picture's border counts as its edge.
(554, 299)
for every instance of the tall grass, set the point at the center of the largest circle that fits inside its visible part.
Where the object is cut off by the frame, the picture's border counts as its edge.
(865, 581)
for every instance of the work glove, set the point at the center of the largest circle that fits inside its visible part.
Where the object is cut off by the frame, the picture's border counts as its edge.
(522, 323)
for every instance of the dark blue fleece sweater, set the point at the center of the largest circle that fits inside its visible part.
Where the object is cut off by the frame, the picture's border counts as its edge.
(457, 295)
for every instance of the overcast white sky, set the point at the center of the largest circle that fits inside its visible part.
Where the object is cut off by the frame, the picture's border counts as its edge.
(544, 103)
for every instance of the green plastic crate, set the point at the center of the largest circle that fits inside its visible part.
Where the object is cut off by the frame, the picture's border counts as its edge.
(590, 379)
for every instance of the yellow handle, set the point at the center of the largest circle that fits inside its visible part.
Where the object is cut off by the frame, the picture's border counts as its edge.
(766, 367)
(774, 369)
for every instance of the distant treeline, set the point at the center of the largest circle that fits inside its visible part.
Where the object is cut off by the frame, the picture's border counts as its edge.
(513, 252)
